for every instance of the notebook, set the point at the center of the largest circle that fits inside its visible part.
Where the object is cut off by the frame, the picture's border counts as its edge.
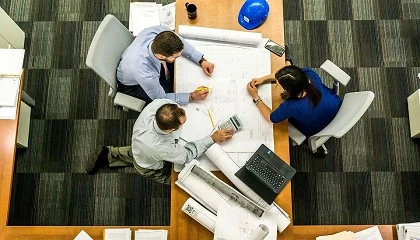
(266, 173)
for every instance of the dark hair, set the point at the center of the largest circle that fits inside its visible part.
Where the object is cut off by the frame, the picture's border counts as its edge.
(167, 116)
(294, 81)
(167, 43)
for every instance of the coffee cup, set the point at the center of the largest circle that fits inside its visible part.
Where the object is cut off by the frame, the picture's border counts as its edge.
(191, 10)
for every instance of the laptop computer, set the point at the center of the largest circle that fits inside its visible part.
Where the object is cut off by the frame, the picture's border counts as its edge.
(266, 174)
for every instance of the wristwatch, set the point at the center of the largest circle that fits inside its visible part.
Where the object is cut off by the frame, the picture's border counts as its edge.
(201, 60)
(256, 100)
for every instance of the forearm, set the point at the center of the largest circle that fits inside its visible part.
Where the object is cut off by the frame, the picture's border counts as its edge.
(264, 110)
(269, 78)
(191, 150)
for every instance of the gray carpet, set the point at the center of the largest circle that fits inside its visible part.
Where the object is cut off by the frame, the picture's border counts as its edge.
(369, 177)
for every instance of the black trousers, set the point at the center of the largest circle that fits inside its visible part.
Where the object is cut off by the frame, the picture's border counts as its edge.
(138, 92)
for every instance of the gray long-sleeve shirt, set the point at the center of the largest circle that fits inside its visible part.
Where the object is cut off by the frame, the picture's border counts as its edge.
(151, 146)
(139, 66)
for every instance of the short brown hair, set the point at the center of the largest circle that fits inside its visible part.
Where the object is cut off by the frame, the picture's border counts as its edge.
(167, 43)
(168, 115)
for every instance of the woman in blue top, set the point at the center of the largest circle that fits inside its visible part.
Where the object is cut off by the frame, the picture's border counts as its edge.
(307, 102)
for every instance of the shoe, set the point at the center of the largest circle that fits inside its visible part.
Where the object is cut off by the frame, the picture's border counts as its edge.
(287, 54)
(98, 159)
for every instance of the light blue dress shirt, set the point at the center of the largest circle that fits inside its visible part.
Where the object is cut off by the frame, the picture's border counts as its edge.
(139, 66)
(151, 146)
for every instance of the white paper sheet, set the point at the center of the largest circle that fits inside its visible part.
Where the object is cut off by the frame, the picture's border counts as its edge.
(198, 119)
(117, 234)
(83, 236)
(143, 15)
(167, 16)
(11, 61)
(203, 216)
(150, 234)
(403, 228)
(233, 70)
(344, 235)
(371, 233)
(236, 223)
(9, 89)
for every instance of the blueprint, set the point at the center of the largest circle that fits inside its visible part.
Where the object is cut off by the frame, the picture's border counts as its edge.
(235, 66)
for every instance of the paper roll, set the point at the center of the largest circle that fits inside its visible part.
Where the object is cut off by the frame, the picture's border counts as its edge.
(259, 233)
(220, 35)
(206, 218)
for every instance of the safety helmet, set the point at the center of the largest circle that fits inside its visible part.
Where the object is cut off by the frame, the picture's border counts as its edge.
(253, 13)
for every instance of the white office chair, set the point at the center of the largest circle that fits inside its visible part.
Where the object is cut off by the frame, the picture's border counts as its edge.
(108, 44)
(353, 107)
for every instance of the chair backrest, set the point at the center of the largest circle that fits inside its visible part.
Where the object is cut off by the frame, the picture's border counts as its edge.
(353, 107)
(108, 44)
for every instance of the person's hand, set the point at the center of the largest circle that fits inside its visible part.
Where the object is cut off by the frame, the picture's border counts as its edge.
(207, 67)
(252, 89)
(257, 81)
(199, 93)
(222, 135)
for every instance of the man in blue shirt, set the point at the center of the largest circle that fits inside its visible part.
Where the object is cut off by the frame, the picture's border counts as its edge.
(146, 67)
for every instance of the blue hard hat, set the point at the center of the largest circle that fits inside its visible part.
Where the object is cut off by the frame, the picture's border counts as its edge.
(253, 13)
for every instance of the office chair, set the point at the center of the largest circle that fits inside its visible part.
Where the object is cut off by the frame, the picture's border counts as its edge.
(108, 44)
(353, 107)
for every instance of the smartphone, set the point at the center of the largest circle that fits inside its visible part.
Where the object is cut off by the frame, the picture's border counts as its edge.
(274, 47)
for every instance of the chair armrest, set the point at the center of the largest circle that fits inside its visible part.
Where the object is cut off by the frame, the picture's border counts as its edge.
(335, 72)
(129, 102)
(27, 99)
(296, 136)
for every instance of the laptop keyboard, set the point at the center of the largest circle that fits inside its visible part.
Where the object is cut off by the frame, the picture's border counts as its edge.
(260, 168)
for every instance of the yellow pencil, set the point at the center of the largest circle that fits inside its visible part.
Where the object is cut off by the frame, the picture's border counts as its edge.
(211, 119)
(203, 89)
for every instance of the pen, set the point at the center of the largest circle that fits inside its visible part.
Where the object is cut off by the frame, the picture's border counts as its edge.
(203, 89)
(211, 119)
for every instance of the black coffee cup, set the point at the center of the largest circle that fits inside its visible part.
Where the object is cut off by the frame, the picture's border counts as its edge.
(191, 10)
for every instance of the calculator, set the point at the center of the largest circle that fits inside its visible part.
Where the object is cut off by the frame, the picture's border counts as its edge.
(232, 123)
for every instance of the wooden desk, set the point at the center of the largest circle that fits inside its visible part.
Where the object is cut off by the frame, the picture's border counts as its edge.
(224, 14)
(217, 14)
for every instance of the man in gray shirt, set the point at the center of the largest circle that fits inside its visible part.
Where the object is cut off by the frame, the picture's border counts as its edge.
(146, 67)
(155, 145)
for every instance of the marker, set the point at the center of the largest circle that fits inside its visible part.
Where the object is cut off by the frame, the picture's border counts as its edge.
(203, 89)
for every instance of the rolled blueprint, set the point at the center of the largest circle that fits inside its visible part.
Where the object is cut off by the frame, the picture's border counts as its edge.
(220, 158)
(259, 233)
(228, 191)
(220, 35)
(203, 216)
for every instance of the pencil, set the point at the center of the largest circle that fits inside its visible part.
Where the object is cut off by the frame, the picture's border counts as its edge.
(211, 119)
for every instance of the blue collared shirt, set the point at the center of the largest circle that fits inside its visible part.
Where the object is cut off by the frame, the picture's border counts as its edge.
(139, 66)
(151, 146)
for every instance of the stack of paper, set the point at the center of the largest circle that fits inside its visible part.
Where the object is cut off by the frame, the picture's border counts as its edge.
(117, 234)
(345, 235)
(147, 14)
(148, 234)
(408, 231)
(11, 61)
(371, 233)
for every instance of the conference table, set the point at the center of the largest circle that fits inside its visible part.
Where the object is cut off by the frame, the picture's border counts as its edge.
(215, 14)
